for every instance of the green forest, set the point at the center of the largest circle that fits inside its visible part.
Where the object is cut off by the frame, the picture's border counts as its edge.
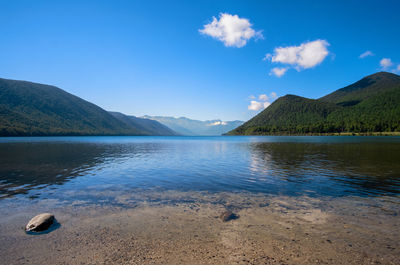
(371, 105)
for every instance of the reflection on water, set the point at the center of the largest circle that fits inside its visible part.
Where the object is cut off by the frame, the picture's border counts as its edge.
(24, 166)
(334, 166)
(365, 167)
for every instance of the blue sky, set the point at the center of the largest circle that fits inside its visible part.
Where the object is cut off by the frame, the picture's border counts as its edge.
(160, 58)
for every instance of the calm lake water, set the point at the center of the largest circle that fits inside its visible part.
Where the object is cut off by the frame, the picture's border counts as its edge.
(98, 168)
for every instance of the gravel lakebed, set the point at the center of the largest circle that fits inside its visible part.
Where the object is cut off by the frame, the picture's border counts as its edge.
(186, 228)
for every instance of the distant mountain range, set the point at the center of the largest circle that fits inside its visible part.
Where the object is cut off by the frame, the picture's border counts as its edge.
(367, 106)
(187, 126)
(32, 109)
(145, 126)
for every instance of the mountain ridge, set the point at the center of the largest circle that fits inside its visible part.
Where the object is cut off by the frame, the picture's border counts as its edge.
(369, 86)
(34, 109)
(146, 126)
(371, 104)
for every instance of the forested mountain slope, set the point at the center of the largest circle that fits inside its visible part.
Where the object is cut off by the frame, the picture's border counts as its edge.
(369, 105)
(32, 109)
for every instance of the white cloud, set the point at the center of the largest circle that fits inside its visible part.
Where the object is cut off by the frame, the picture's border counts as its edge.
(267, 57)
(279, 71)
(255, 105)
(263, 103)
(217, 123)
(304, 56)
(231, 30)
(263, 97)
(386, 63)
(252, 97)
(366, 54)
(398, 68)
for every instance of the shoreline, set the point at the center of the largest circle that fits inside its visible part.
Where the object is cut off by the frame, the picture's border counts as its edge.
(185, 228)
(225, 134)
(323, 134)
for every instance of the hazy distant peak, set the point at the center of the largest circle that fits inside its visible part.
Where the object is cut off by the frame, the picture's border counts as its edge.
(186, 126)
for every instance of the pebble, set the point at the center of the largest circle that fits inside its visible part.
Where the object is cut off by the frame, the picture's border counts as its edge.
(228, 215)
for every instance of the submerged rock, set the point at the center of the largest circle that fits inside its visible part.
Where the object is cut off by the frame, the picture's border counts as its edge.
(228, 215)
(40, 222)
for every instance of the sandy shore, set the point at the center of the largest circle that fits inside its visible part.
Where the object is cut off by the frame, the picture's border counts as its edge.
(182, 228)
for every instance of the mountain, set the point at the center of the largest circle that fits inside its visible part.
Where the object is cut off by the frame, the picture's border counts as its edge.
(145, 126)
(187, 126)
(367, 106)
(367, 87)
(32, 109)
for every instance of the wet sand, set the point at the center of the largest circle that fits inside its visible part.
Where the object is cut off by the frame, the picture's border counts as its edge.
(185, 228)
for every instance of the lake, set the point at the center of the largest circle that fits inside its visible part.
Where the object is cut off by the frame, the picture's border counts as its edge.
(152, 200)
(317, 166)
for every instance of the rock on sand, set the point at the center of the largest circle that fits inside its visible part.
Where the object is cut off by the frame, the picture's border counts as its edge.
(40, 222)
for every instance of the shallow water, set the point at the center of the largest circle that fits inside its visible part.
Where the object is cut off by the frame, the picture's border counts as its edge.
(98, 169)
(156, 200)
